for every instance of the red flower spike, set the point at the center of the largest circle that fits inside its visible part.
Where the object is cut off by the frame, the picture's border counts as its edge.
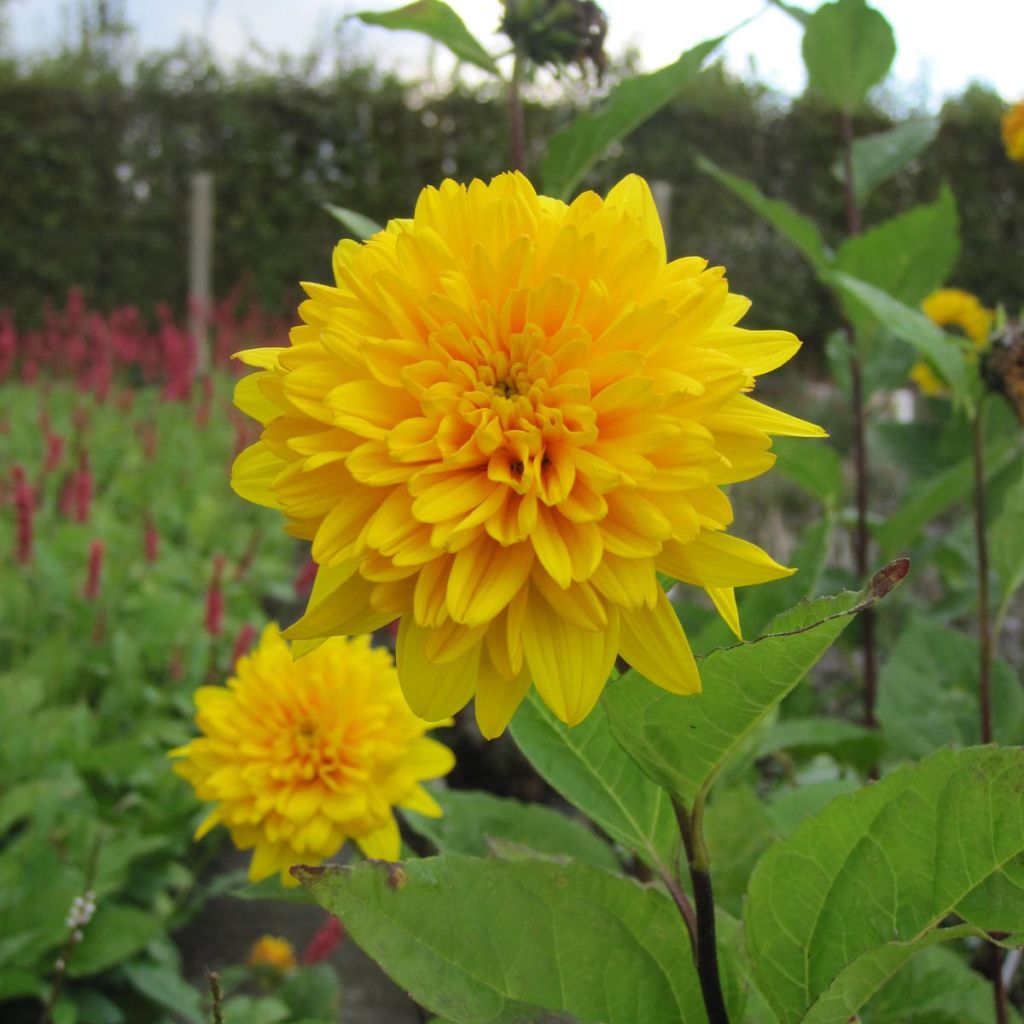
(91, 591)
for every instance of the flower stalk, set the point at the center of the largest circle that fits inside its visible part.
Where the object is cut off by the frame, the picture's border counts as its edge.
(861, 540)
(702, 933)
(516, 114)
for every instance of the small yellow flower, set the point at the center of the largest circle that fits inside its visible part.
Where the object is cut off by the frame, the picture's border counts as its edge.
(271, 951)
(299, 756)
(1013, 132)
(501, 422)
(952, 307)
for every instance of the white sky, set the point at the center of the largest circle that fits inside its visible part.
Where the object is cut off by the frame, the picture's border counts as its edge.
(943, 44)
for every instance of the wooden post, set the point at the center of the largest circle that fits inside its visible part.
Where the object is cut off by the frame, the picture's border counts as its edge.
(662, 193)
(200, 266)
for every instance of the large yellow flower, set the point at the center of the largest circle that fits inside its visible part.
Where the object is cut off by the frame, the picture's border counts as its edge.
(506, 416)
(952, 307)
(301, 755)
(1013, 132)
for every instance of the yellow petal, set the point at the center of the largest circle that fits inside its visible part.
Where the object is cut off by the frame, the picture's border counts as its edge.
(253, 472)
(654, 643)
(383, 843)
(420, 801)
(497, 698)
(719, 560)
(724, 599)
(569, 665)
(484, 577)
(338, 606)
(632, 195)
(433, 691)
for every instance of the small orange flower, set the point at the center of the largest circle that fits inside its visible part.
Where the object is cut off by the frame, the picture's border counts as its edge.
(271, 951)
(1013, 132)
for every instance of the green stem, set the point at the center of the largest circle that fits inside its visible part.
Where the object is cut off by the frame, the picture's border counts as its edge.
(981, 544)
(691, 828)
(516, 116)
(985, 661)
(862, 540)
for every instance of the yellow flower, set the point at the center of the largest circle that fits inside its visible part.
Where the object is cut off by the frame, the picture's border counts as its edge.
(952, 307)
(506, 416)
(301, 755)
(270, 951)
(1013, 132)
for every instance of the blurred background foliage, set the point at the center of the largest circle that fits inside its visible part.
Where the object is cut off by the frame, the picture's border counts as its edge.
(97, 143)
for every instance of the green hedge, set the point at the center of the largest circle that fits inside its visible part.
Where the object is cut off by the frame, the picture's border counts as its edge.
(95, 158)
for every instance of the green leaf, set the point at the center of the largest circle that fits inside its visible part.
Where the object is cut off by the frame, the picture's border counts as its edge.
(470, 819)
(788, 807)
(361, 226)
(798, 229)
(737, 830)
(876, 158)
(848, 47)
(496, 942)
(798, 14)
(817, 468)
(572, 151)
(907, 256)
(312, 993)
(1006, 542)
(845, 741)
(167, 988)
(929, 499)
(438, 21)
(912, 327)
(682, 743)
(936, 987)
(589, 768)
(928, 692)
(114, 935)
(255, 1010)
(865, 883)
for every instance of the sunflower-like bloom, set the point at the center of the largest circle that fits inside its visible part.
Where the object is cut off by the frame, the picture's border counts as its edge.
(271, 951)
(502, 421)
(1013, 132)
(952, 307)
(299, 756)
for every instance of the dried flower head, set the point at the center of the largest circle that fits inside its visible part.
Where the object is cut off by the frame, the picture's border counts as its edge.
(503, 420)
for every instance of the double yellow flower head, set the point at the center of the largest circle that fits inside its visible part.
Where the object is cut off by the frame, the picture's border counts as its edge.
(500, 423)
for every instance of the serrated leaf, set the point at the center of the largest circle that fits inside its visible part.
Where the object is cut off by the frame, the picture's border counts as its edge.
(572, 151)
(936, 987)
(437, 20)
(928, 692)
(909, 255)
(800, 230)
(470, 819)
(868, 881)
(498, 942)
(361, 226)
(590, 769)
(682, 743)
(848, 47)
(876, 158)
(912, 327)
